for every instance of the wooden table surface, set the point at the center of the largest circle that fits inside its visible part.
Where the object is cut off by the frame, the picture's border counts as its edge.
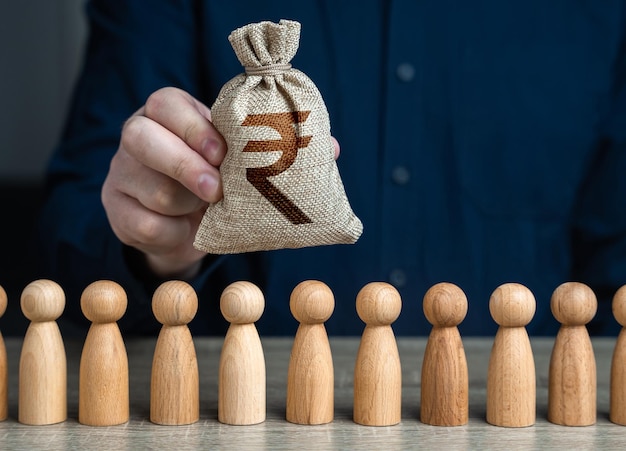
(277, 434)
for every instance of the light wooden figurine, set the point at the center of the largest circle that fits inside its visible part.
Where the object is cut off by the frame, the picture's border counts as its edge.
(444, 384)
(43, 367)
(572, 378)
(617, 410)
(511, 379)
(377, 372)
(241, 392)
(4, 371)
(310, 377)
(174, 387)
(103, 398)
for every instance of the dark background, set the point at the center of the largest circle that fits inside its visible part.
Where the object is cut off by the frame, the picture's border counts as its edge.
(40, 52)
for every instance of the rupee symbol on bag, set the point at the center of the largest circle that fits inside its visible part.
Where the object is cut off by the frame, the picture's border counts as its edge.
(289, 144)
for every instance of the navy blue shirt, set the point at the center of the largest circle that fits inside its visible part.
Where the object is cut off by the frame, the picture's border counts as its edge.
(482, 142)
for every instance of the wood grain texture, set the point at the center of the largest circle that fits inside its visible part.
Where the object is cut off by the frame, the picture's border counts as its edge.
(103, 385)
(4, 370)
(444, 394)
(572, 378)
(310, 381)
(444, 399)
(617, 412)
(511, 379)
(103, 390)
(242, 377)
(310, 376)
(377, 379)
(174, 384)
(43, 366)
(43, 376)
(242, 387)
(378, 371)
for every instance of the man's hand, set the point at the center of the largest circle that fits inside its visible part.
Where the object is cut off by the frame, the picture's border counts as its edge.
(161, 179)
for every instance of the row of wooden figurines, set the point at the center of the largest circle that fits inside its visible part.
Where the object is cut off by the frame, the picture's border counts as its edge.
(511, 386)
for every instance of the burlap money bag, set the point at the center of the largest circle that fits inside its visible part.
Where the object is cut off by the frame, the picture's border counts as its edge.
(281, 184)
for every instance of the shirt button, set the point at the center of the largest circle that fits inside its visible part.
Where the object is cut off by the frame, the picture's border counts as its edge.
(400, 175)
(397, 278)
(405, 72)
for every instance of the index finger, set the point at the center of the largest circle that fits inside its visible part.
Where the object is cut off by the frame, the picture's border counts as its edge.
(158, 148)
(189, 119)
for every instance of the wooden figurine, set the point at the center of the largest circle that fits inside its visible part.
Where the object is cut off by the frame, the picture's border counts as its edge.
(444, 384)
(241, 393)
(43, 366)
(572, 379)
(377, 372)
(511, 380)
(103, 398)
(310, 378)
(4, 371)
(174, 387)
(617, 411)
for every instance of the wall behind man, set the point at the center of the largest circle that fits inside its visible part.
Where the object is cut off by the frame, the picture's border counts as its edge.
(41, 44)
(40, 49)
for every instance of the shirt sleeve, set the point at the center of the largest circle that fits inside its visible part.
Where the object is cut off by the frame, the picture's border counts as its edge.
(133, 49)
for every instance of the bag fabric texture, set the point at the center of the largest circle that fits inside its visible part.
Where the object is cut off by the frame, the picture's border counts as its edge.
(281, 184)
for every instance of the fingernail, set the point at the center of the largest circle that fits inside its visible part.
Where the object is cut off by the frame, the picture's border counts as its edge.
(211, 151)
(207, 185)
